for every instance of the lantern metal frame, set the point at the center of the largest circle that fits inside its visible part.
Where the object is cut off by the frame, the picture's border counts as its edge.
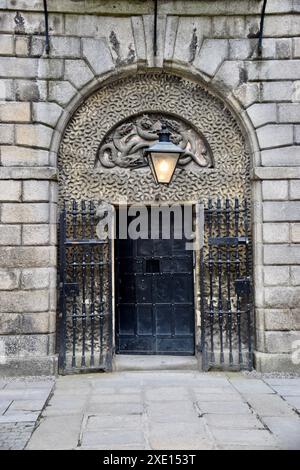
(163, 146)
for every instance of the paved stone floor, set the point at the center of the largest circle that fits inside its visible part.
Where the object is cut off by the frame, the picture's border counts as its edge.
(21, 403)
(170, 410)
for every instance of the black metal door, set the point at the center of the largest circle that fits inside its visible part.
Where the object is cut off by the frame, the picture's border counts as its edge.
(225, 275)
(154, 296)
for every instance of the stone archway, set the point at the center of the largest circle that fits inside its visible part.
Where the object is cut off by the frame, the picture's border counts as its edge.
(121, 100)
(95, 162)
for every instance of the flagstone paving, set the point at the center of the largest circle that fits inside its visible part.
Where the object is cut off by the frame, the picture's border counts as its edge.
(21, 403)
(168, 410)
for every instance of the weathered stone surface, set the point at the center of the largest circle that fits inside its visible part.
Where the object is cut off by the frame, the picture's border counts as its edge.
(24, 301)
(295, 273)
(296, 91)
(223, 407)
(275, 135)
(284, 156)
(18, 67)
(22, 45)
(10, 234)
(9, 279)
(61, 92)
(27, 323)
(262, 113)
(230, 75)
(36, 234)
(212, 53)
(7, 90)
(241, 49)
(6, 133)
(297, 134)
(15, 112)
(246, 387)
(282, 25)
(289, 112)
(139, 37)
(50, 68)
(282, 319)
(29, 365)
(276, 233)
(65, 47)
(287, 431)
(276, 275)
(249, 437)
(243, 421)
(10, 191)
(47, 113)
(78, 73)
(284, 254)
(273, 70)
(36, 191)
(189, 34)
(23, 156)
(23, 345)
(284, 49)
(47, 436)
(98, 55)
(295, 233)
(247, 93)
(232, 26)
(277, 91)
(33, 135)
(282, 297)
(31, 90)
(267, 362)
(269, 405)
(6, 45)
(30, 22)
(37, 278)
(281, 211)
(294, 189)
(26, 257)
(275, 173)
(275, 190)
(25, 213)
(19, 173)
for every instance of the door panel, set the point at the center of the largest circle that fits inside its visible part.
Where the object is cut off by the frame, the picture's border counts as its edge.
(154, 297)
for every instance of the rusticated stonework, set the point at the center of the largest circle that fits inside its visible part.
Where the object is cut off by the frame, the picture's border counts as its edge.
(217, 164)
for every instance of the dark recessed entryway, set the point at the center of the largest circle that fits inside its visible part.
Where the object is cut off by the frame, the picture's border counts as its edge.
(154, 296)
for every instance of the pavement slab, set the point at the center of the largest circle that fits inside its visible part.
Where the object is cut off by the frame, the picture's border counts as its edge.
(158, 410)
(21, 403)
(269, 405)
(287, 431)
(294, 402)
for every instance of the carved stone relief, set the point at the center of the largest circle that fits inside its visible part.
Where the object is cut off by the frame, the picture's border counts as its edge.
(124, 146)
(217, 161)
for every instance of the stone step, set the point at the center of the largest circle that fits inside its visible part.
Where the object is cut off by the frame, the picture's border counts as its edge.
(126, 362)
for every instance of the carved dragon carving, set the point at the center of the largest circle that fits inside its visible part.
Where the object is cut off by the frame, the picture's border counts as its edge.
(124, 146)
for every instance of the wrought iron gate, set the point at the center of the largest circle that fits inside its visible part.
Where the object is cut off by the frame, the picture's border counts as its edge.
(225, 290)
(86, 291)
(85, 300)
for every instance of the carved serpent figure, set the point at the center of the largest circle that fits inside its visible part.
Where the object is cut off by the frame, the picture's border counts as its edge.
(124, 146)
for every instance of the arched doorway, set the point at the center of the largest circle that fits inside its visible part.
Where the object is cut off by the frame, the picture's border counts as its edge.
(101, 159)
